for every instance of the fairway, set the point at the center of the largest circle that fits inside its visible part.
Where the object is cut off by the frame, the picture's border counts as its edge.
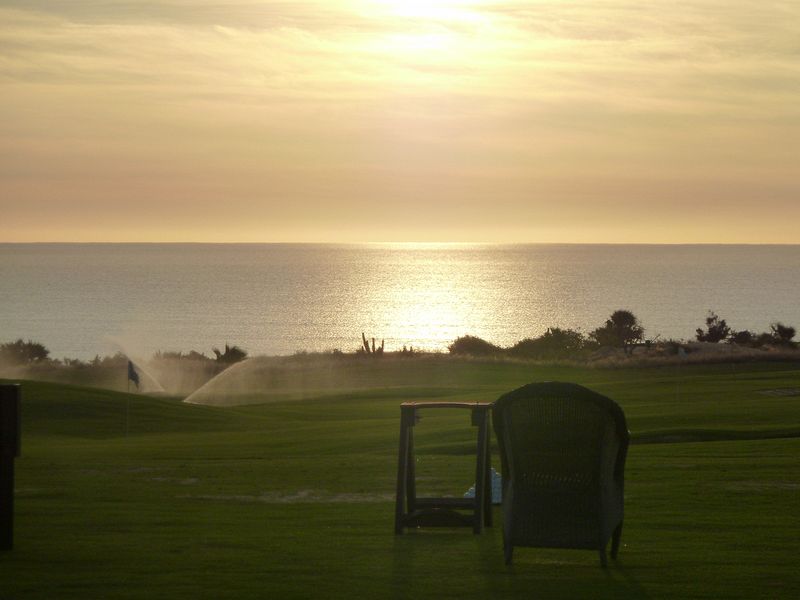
(295, 498)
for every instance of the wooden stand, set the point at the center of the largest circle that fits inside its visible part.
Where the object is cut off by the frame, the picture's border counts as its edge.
(9, 450)
(411, 511)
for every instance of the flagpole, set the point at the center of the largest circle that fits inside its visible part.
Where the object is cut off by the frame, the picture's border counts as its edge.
(128, 404)
(132, 376)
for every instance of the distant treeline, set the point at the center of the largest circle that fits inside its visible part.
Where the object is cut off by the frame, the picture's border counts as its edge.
(621, 330)
(20, 352)
(176, 372)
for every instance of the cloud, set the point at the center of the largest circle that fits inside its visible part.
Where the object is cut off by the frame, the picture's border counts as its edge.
(520, 103)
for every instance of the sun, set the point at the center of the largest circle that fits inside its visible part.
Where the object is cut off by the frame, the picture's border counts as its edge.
(425, 30)
(445, 11)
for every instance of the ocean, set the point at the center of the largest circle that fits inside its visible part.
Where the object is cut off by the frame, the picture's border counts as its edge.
(81, 300)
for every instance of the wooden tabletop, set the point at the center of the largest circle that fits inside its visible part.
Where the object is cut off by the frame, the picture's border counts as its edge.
(473, 405)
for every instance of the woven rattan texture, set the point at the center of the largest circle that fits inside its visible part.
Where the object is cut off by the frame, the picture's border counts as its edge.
(560, 448)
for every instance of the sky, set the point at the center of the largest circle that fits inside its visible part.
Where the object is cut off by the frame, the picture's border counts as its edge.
(354, 121)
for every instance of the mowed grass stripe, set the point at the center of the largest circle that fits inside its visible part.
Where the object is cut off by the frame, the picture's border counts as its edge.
(295, 499)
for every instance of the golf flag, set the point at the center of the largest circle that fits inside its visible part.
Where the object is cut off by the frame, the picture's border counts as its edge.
(132, 374)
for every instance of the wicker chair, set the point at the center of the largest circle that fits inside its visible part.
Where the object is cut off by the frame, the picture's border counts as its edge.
(563, 450)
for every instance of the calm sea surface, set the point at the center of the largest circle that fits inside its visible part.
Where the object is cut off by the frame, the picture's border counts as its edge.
(86, 299)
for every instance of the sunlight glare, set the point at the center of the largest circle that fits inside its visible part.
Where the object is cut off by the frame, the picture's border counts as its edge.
(438, 31)
(444, 10)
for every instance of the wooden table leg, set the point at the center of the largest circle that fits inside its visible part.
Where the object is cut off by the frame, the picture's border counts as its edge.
(402, 473)
(412, 511)
(411, 480)
(480, 472)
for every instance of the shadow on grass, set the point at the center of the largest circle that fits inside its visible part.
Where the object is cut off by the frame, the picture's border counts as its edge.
(443, 563)
(677, 436)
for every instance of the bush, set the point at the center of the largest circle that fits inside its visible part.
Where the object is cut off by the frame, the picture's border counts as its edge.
(716, 329)
(622, 330)
(554, 343)
(21, 352)
(779, 335)
(762, 339)
(116, 361)
(191, 355)
(742, 338)
(473, 346)
(675, 348)
(232, 354)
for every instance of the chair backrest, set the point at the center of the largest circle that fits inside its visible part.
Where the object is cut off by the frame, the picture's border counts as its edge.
(563, 452)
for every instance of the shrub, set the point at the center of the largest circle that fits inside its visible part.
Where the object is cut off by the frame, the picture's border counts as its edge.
(621, 330)
(742, 338)
(472, 345)
(110, 362)
(73, 363)
(554, 343)
(716, 329)
(232, 354)
(675, 348)
(763, 339)
(191, 355)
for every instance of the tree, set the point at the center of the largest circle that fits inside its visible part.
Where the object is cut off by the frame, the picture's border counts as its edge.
(22, 352)
(622, 330)
(782, 334)
(716, 329)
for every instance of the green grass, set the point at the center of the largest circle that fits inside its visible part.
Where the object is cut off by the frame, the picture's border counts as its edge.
(295, 499)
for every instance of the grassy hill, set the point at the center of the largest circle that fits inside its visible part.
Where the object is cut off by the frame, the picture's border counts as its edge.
(294, 499)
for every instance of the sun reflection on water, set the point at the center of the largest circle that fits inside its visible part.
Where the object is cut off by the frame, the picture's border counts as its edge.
(429, 301)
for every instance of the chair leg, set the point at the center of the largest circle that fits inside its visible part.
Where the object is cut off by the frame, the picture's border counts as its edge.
(487, 486)
(603, 559)
(508, 551)
(615, 541)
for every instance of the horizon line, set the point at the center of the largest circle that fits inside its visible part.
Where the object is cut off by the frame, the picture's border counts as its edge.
(384, 243)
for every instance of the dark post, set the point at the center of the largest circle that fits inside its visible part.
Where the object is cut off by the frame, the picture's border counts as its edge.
(479, 418)
(406, 421)
(9, 450)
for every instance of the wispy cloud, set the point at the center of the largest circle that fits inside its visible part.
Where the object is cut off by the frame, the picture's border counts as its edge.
(522, 104)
